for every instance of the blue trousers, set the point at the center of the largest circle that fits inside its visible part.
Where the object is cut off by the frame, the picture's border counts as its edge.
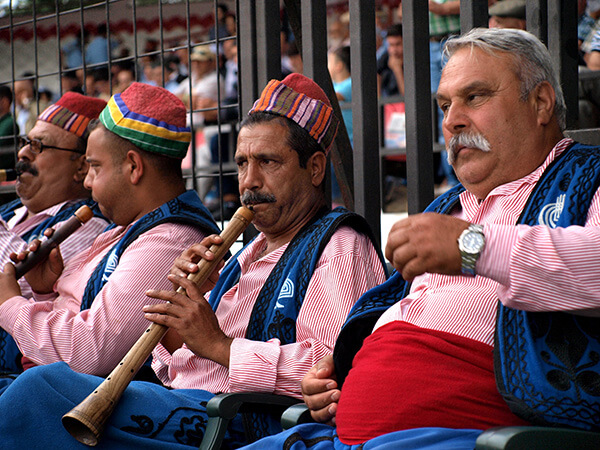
(148, 416)
(324, 437)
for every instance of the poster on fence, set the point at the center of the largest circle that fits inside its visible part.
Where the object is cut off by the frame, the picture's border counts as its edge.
(394, 123)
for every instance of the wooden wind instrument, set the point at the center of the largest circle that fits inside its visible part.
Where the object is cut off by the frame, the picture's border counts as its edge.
(79, 217)
(86, 421)
(8, 175)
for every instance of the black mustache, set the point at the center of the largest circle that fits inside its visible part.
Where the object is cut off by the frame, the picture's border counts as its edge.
(24, 166)
(252, 198)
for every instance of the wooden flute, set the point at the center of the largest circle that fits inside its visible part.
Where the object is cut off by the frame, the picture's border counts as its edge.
(81, 216)
(86, 421)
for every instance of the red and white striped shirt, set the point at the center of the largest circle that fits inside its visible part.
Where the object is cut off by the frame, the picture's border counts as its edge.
(52, 328)
(19, 224)
(533, 268)
(348, 267)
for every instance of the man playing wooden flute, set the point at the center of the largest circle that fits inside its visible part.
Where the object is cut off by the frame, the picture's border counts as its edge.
(89, 312)
(278, 304)
(51, 167)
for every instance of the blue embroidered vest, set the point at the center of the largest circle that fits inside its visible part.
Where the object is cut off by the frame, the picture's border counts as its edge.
(187, 208)
(10, 356)
(7, 211)
(276, 309)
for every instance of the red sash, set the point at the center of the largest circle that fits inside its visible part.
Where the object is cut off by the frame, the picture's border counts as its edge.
(409, 377)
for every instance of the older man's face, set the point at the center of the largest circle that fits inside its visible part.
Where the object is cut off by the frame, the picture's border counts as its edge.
(479, 93)
(54, 175)
(271, 180)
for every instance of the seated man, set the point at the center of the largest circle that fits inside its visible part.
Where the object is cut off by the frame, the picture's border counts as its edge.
(51, 166)
(89, 314)
(523, 229)
(278, 304)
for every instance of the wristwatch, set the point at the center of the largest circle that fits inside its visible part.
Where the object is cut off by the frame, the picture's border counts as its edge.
(470, 243)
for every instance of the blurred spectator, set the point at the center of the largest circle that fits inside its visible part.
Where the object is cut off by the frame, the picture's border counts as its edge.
(97, 51)
(295, 58)
(70, 82)
(125, 75)
(230, 24)
(390, 66)
(508, 14)
(286, 64)
(170, 73)
(73, 53)
(27, 105)
(45, 95)
(230, 69)
(585, 22)
(205, 84)
(9, 130)
(101, 83)
(338, 63)
(339, 33)
(226, 187)
(219, 26)
(589, 87)
(183, 54)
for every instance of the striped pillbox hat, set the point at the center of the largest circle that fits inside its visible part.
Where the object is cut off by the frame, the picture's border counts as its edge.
(73, 112)
(151, 118)
(300, 99)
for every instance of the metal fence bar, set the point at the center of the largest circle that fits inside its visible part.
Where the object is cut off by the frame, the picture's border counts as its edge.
(473, 14)
(419, 142)
(536, 15)
(562, 44)
(268, 46)
(367, 173)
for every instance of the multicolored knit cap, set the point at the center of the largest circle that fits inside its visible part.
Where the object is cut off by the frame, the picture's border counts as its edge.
(151, 118)
(302, 100)
(73, 112)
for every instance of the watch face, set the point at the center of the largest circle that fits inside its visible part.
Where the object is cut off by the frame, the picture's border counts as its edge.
(473, 242)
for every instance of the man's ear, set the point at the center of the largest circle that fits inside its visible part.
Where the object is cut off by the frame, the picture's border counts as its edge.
(81, 169)
(545, 99)
(317, 164)
(133, 166)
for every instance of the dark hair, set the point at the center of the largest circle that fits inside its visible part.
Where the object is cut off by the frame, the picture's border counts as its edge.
(298, 138)
(100, 73)
(394, 30)
(343, 54)
(169, 168)
(6, 92)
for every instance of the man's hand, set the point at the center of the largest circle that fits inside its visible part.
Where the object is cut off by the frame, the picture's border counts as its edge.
(44, 275)
(425, 242)
(8, 283)
(319, 388)
(187, 262)
(192, 318)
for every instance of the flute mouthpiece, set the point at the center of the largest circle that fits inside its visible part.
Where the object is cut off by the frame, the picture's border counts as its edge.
(84, 214)
(8, 175)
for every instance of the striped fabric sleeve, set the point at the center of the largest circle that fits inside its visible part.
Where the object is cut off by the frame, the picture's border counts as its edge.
(94, 341)
(544, 269)
(348, 267)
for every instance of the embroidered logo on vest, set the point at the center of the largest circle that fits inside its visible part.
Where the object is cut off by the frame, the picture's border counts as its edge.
(287, 291)
(111, 265)
(550, 213)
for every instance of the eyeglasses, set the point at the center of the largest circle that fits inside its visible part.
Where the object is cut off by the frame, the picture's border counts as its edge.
(37, 146)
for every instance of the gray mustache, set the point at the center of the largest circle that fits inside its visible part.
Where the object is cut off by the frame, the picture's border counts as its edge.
(251, 198)
(471, 140)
